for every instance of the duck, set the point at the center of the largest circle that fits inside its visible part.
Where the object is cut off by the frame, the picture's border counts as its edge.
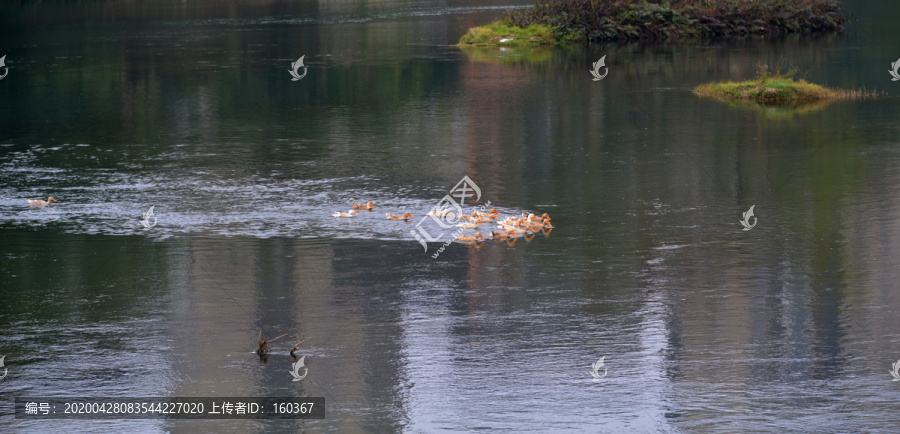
(438, 214)
(509, 220)
(510, 224)
(492, 214)
(538, 225)
(532, 216)
(406, 216)
(518, 229)
(469, 225)
(468, 239)
(345, 214)
(369, 206)
(40, 202)
(501, 235)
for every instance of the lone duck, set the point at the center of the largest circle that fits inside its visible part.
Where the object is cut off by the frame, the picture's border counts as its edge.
(369, 206)
(39, 202)
(406, 216)
(345, 214)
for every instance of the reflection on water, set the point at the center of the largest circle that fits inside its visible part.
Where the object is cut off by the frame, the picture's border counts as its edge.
(781, 111)
(189, 107)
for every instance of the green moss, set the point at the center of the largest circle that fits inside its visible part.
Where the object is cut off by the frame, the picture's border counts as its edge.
(501, 34)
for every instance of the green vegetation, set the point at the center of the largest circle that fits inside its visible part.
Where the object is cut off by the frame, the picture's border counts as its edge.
(574, 21)
(777, 88)
(498, 33)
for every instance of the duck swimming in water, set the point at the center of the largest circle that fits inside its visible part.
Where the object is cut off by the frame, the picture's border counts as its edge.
(345, 214)
(510, 223)
(40, 202)
(501, 235)
(538, 224)
(469, 225)
(438, 214)
(369, 206)
(492, 214)
(518, 229)
(470, 239)
(406, 216)
(530, 217)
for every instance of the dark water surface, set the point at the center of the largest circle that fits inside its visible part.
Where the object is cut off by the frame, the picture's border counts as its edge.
(189, 107)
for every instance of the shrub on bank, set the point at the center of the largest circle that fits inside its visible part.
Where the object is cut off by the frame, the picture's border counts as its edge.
(611, 20)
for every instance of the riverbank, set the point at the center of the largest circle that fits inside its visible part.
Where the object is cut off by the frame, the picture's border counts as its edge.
(578, 21)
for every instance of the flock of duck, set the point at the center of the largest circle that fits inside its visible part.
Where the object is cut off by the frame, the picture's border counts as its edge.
(510, 227)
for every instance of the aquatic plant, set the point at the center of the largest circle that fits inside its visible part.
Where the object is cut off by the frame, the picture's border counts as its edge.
(297, 345)
(264, 343)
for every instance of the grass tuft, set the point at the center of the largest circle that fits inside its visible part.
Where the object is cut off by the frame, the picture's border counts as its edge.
(511, 36)
(776, 88)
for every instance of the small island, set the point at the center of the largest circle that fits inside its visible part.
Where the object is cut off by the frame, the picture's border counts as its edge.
(565, 22)
(776, 88)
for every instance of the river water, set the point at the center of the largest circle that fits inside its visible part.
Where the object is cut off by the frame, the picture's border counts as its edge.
(189, 107)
